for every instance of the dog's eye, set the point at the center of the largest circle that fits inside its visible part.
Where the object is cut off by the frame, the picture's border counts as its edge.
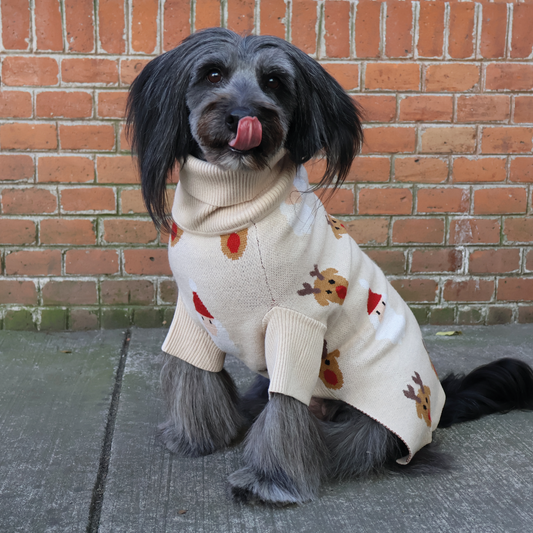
(272, 82)
(214, 76)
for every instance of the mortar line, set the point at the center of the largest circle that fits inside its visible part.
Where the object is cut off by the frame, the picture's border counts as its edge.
(97, 499)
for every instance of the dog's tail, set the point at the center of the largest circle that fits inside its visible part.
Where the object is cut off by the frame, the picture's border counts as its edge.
(500, 386)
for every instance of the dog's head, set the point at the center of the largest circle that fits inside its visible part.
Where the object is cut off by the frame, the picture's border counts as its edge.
(235, 102)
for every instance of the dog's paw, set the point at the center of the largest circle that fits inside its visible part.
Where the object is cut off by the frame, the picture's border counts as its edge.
(176, 442)
(248, 485)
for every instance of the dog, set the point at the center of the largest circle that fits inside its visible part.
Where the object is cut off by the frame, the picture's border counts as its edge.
(345, 386)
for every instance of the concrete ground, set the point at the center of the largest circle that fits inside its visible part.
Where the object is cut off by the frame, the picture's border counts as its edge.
(78, 414)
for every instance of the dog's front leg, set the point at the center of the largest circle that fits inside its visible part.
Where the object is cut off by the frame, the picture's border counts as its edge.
(202, 406)
(285, 455)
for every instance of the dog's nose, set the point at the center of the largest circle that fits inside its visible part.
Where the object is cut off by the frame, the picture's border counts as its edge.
(233, 117)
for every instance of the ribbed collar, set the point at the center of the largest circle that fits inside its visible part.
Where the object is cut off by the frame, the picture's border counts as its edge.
(214, 201)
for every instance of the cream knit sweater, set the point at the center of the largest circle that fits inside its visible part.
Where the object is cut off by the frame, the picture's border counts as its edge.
(264, 273)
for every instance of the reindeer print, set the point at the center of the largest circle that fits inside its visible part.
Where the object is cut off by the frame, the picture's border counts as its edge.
(338, 228)
(330, 373)
(175, 234)
(234, 244)
(328, 287)
(422, 399)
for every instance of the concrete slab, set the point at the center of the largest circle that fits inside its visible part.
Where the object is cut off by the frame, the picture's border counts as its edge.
(489, 490)
(55, 392)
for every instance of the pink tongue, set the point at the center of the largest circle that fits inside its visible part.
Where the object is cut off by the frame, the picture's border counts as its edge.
(249, 134)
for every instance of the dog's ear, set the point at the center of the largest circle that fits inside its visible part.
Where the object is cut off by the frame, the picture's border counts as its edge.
(326, 119)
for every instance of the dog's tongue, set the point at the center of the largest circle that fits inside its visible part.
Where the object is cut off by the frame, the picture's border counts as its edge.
(249, 134)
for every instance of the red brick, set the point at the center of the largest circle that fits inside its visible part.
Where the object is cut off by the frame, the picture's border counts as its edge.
(525, 314)
(176, 23)
(376, 108)
(366, 230)
(375, 169)
(34, 263)
(474, 231)
(389, 140)
(87, 137)
(16, 24)
(505, 140)
(483, 108)
(112, 104)
(494, 261)
(48, 25)
(479, 170)
(452, 77)
(443, 200)
(87, 199)
(28, 201)
(337, 28)
(67, 292)
(420, 169)
(124, 139)
(523, 109)
(367, 29)
(441, 260)
(15, 167)
(500, 200)
(117, 169)
(30, 71)
(18, 292)
(67, 231)
(392, 76)
(399, 32)
(127, 292)
(131, 202)
(89, 70)
(91, 262)
(273, 13)
(303, 25)
(385, 201)
(83, 319)
(64, 104)
(79, 18)
(315, 170)
(347, 74)
(148, 262)
(15, 104)
(529, 261)
(392, 262)
(418, 230)
(518, 229)
(168, 291)
(111, 26)
(207, 14)
(499, 315)
(13, 231)
(431, 29)
(28, 136)
(416, 290)
(509, 77)
(130, 69)
(65, 169)
(129, 231)
(522, 169)
(449, 139)
(522, 37)
(461, 25)
(493, 31)
(340, 203)
(241, 16)
(426, 108)
(144, 25)
(515, 289)
(472, 290)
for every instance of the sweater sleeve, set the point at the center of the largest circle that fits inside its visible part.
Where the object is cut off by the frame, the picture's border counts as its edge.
(191, 343)
(293, 351)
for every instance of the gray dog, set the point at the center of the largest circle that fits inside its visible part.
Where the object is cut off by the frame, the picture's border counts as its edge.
(345, 387)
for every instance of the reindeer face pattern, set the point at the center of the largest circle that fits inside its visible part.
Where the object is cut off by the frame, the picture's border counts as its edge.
(328, 287)
(330, 373)
(175, 234)
(338, 228)
(422, 399)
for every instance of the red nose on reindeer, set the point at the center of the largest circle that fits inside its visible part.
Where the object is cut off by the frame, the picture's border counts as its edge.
(341, 291)
(249, 134)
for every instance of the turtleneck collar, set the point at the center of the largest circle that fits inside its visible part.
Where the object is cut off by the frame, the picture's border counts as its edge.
(210, 200)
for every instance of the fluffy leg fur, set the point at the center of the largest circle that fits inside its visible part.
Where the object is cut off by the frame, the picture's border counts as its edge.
(202, 407)
(284, 455)
(255, 399)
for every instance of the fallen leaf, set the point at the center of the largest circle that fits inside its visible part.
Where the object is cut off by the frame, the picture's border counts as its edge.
(448, 333)
(66, 351)
(182, 511)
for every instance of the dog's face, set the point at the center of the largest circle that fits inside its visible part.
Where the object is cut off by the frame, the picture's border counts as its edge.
(241, 103)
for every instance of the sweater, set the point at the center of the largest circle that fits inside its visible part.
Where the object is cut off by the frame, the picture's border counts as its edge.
(265, 274)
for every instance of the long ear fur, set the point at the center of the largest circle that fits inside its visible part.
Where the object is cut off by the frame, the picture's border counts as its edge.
(158, 118)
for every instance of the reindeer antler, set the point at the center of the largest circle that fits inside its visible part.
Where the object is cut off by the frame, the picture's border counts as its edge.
(316, 273)
(418, 380)
(308, 290)
(410, 393)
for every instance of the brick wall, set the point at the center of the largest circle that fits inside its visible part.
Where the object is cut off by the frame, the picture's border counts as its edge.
(440, 197)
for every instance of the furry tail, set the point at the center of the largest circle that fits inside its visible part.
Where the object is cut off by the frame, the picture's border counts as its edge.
(500, 386)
